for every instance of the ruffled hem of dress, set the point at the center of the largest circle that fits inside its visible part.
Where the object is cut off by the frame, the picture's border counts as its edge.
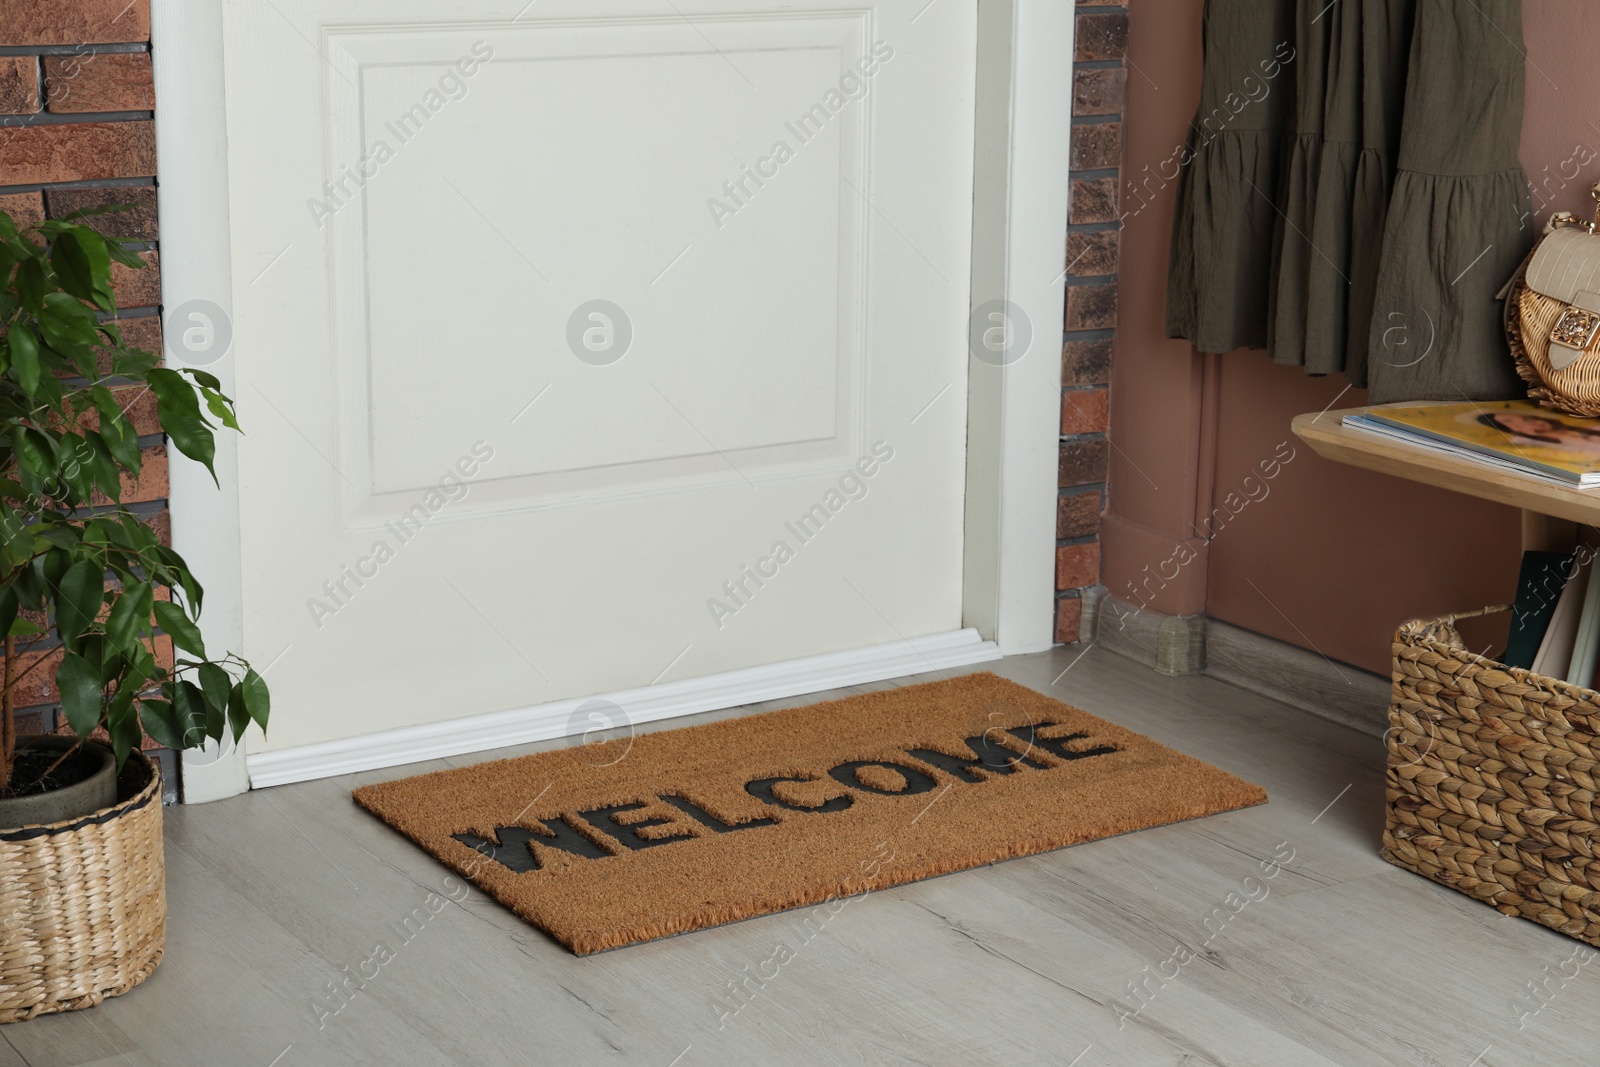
(1226, 211)
(1315, 281)
(1450, 243)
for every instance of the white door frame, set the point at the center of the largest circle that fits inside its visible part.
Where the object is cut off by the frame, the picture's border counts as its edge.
(1024, 123)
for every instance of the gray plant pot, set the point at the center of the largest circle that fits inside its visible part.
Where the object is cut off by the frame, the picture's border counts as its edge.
(97, 791)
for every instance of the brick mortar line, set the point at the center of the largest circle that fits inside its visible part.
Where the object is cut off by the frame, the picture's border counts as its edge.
(129, 48)
(145, 182)
(71, 118)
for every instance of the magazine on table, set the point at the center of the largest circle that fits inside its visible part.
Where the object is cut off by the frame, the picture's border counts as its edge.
(1512, 435)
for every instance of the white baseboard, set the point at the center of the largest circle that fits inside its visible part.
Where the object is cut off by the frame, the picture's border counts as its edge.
(520, 726)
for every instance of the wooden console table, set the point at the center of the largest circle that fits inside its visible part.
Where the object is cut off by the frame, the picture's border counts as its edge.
(1549, 511)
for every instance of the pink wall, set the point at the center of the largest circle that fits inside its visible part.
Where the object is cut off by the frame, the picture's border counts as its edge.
(1155, 421)
(1558, 140)
(1326, 557)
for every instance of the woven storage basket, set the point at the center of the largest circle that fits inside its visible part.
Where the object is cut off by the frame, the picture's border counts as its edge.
(83, 907)
(1491, 780)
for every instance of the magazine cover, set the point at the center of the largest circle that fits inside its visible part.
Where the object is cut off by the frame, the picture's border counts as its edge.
(1518, 430)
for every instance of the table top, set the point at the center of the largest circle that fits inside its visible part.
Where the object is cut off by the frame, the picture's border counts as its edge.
(1326, 434)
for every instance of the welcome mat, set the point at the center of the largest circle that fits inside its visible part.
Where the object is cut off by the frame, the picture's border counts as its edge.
(708, 824)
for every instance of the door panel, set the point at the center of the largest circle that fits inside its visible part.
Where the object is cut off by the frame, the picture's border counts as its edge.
(592, 344)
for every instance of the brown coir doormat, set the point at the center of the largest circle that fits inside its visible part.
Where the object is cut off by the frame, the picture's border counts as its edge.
(707, 824)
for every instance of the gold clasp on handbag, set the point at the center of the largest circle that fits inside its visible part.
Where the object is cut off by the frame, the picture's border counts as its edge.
(1576, 328)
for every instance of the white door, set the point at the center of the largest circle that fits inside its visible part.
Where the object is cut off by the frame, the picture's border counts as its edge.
(584, 344)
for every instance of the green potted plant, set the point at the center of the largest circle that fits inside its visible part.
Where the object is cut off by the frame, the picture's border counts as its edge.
(85, 588)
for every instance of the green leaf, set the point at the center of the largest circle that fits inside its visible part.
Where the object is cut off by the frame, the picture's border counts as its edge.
(25, 356)
(130, 615)
(216, 684)
(31, 284)
(123, 726)
(97, 532)
(175, 621)
(107, 474)
(35, 451)
(76, 468)
(8, 608)
(27, 587)
(79, 682)
(66, 319)
(50, 567)
(78, 599)
(179, 411)
(192, 437)
(256, 698)
(132, 675)
(222, 408)
(30, 584)
(15, 534)
(190, 704)
(238, 714)
(174, 392)
(193, 592)
(83, 266)
(64, 537)
(125, 256)
(92, 647)
(118, 432)
(162, 724)
(133, 363)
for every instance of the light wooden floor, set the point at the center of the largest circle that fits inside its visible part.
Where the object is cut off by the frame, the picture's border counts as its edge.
(1345, 960)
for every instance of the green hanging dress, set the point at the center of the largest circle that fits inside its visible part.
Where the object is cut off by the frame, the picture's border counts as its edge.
(1228, 172)
(1395, 124)
(1350, 83)
(1460, 217)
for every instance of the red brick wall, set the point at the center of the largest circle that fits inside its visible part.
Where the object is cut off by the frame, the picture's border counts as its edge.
(77, 130)
(1099, 81)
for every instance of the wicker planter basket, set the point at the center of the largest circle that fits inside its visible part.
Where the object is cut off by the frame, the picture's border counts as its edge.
(83, 907)
(1491, 780)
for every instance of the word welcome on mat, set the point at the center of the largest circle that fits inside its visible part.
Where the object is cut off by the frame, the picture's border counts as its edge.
(708, 824)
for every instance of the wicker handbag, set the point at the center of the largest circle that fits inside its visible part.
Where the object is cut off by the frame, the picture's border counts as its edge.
(1553, 315)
